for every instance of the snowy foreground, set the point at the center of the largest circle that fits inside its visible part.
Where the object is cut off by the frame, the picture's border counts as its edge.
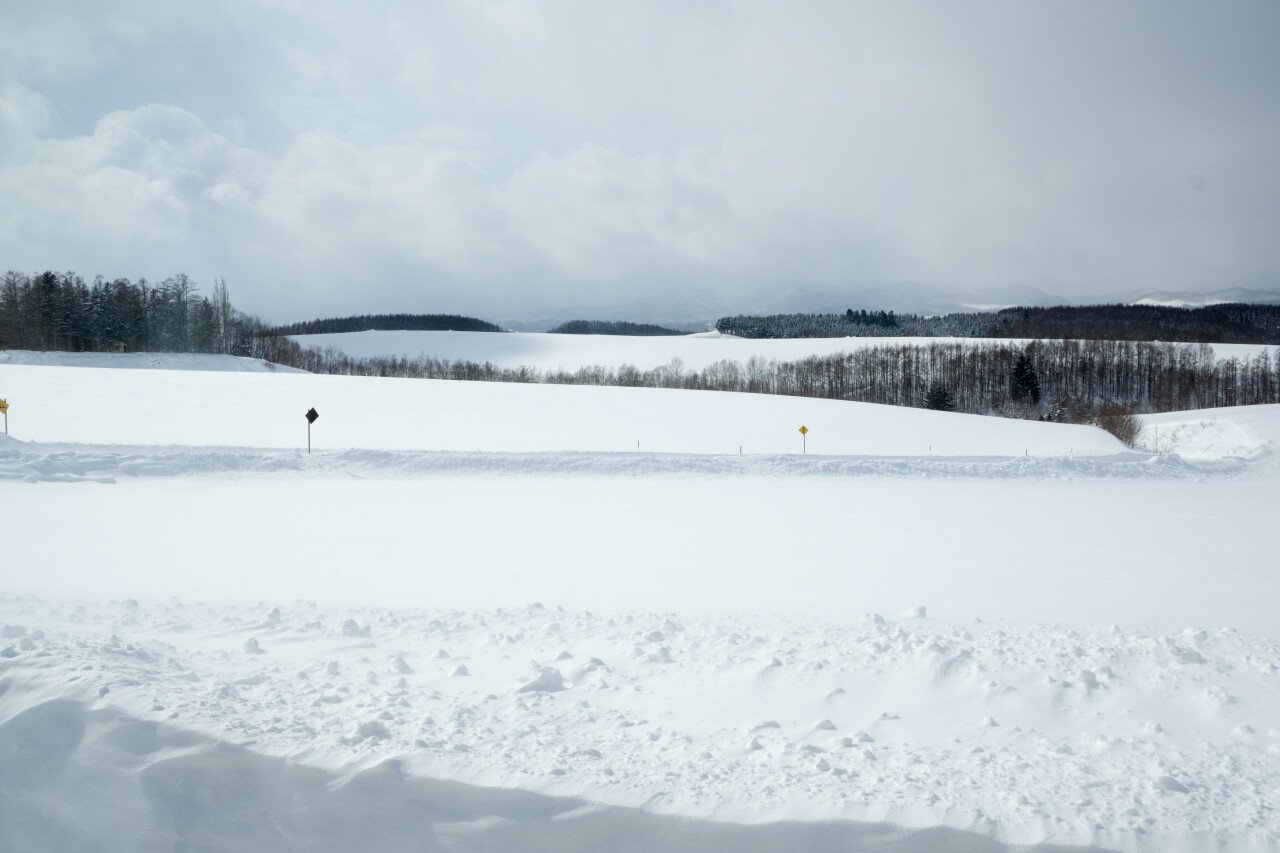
(412, 643)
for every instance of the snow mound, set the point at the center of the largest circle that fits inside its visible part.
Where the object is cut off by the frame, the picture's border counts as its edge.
(1241, 432)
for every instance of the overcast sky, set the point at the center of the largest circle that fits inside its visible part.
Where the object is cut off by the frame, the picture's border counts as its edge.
(506, 159)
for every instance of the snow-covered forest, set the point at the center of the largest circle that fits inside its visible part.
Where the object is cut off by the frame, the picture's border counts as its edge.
(1224, 323)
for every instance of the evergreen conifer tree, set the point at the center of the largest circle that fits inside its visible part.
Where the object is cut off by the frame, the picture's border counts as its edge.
(939, 399)
(1024, 383)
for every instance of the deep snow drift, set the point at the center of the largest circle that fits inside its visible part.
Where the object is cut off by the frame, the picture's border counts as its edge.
(236, 648)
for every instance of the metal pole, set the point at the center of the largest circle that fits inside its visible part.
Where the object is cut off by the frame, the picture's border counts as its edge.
(804, 443)
(308, 438)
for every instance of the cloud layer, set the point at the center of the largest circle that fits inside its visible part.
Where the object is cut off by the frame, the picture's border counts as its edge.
(510, 159)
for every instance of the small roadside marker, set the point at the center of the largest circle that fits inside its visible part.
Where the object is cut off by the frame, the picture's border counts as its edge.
(312, 417)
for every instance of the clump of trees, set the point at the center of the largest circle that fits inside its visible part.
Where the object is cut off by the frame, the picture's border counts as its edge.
(1229, 323)
(60, 311)
(1121, 421)
(613, 327)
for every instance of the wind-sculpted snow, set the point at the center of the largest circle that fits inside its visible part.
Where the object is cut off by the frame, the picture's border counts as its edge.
(69, 464)
(155, 725)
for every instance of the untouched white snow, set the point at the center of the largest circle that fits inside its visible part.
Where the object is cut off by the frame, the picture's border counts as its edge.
(570, 352)
(144, 361)
(406, 641)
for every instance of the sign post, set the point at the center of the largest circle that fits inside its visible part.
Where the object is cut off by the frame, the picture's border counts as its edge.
(4, 407)
(804, 439)
(312, 416)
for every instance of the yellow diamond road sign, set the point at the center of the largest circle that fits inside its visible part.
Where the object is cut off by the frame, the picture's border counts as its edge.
(804, 430)
(4, 407)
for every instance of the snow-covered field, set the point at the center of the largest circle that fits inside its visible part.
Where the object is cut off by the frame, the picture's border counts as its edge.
(478, 619)
(266, 410)
(570, 352)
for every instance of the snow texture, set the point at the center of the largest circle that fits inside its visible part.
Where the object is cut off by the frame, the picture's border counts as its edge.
(155, 721)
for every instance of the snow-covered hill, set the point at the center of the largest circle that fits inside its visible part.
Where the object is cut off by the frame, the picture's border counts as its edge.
(570, 352)
(160, 407)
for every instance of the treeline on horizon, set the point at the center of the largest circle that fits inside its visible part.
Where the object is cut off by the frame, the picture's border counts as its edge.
(613, 327)
(1240, 323)
(387, 323)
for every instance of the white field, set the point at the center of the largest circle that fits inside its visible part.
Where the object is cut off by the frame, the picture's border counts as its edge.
(570, 352)
(476, 618)
(266, 410)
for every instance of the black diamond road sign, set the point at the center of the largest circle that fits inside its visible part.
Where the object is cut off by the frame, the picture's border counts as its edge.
(312, 415)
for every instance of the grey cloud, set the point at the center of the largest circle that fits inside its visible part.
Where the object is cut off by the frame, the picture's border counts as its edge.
(505, 158)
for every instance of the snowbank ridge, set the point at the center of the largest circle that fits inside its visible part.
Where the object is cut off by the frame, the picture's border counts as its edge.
(34, 464)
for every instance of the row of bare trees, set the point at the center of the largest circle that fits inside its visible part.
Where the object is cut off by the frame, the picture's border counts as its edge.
(1076, 379)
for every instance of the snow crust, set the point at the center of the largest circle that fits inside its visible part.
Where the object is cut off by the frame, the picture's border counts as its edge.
(571, 352)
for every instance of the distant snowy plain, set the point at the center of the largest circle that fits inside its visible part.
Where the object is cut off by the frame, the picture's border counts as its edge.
(571, 352)
(478, 618)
